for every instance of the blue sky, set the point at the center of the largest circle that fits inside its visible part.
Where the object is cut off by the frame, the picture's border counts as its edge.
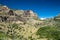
(43, 8)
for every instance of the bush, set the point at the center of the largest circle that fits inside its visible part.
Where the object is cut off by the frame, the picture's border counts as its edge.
(3, 36)
(49, 32)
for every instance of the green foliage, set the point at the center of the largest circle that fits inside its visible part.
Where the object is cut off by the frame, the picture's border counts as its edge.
(3, 36)
(49, 32)
(15, 26)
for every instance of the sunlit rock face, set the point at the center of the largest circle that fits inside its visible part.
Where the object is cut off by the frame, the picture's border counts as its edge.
(20, 15)
(28, 13)
(19, 12)
(4, 9)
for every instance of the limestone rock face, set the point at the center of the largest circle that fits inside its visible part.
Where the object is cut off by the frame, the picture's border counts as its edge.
(25, 15)
(7, 14)
(29, 13)
(4, 9)
(19, 12)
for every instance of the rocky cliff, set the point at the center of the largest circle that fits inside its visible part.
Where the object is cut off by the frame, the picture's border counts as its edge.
(7, 14)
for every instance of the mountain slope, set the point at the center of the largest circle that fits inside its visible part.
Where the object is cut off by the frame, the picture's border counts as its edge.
(18, 24)
(23, 24)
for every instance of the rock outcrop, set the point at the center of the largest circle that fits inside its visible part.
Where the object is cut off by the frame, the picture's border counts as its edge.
(9, 15)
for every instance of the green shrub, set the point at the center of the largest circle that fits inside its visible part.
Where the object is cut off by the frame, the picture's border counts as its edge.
(3, 36)
(49, 32)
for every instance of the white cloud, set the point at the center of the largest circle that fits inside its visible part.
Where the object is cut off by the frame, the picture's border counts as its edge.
(42, 18)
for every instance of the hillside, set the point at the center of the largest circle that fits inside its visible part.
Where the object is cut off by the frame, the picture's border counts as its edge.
(25, 25)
